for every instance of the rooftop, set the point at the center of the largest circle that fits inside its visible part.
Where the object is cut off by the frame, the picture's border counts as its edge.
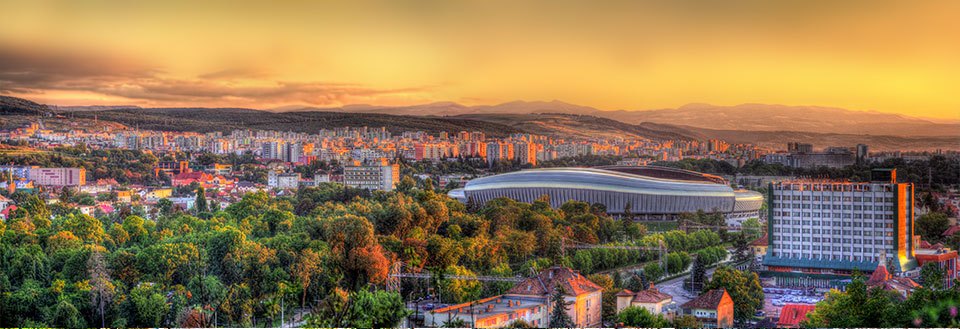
(709, 300)
(545, 282)
(792, 314)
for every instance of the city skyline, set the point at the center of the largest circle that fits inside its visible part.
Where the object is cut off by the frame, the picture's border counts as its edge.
(892, 57)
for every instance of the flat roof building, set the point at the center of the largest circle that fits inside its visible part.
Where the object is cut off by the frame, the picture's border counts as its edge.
(818, 227)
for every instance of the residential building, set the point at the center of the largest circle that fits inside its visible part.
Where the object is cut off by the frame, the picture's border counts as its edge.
(881, 278)
(529, 300)
(493, 312)
(59, 176)
(582, 296)
(824, 229)
(759, 247)
(714, 309)
(943, 257)
(373, 175)
(284, 180)
(651, 299)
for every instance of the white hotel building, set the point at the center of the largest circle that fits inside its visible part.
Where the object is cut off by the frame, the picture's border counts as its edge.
(823, 228)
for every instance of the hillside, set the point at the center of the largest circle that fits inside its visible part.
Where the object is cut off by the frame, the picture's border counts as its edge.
(226, 119)
(748, 117)
(581, 126)
(763, 117)
(778, 139)
(14, 105)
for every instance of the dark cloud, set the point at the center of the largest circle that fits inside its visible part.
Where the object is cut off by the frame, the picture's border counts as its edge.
(25, 71)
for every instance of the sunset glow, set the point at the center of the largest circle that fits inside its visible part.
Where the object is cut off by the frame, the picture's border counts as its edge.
(899, 57)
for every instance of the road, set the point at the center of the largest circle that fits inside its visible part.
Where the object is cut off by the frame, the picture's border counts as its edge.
(674, 287)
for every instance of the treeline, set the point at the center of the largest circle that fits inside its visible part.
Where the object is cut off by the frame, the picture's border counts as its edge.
(321, 251)
(930, 306)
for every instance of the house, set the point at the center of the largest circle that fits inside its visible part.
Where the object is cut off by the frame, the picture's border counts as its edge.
(759, 247)
(883, 279)
(714, 309)
(124, 196)
(529, 300)
(155, 195)
(582, 295)
(651, 299)
(4, 202)
(792, 314)
(7, 212)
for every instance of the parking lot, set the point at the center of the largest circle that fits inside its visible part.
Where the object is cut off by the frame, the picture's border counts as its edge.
(775, 298)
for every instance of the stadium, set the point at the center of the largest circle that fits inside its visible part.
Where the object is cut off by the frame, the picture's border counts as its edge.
(651, 193)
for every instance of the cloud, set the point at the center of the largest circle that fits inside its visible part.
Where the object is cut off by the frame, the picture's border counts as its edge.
(24, 71)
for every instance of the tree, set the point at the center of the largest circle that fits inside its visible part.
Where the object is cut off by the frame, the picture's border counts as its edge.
(200, 205)
(65, 315)
(686, 321)
(378, 309)
(558, 316)
(931, 226)
(101, 289)
(635, 316)
(856, 307)
(304, 269)
(698, 275)
(406, 184)
(931, 276)
(744, 288)
(609, 295)
(149, 304)
(653, 271)
(752, 228)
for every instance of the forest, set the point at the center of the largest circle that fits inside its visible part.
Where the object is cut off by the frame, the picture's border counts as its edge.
(319, 257)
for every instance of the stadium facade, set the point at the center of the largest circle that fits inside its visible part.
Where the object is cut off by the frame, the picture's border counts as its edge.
(653, 193)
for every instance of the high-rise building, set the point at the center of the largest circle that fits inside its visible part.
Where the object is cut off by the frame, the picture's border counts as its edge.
(374, 175)
(827, 228)
(291, 152)
(862, 153)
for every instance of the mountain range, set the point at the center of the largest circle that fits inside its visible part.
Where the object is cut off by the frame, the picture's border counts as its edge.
(745, 117)
(766, 125)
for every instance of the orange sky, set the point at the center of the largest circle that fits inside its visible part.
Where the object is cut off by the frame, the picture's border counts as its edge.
(886, 56)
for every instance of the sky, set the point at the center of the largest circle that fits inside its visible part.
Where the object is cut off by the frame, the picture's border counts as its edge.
(887, 56)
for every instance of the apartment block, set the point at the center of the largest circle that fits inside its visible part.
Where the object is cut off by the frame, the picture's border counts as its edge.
(819, 227)
(373, 175)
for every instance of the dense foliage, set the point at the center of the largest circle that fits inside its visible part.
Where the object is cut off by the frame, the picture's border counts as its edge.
(859, 306)
(323, 253)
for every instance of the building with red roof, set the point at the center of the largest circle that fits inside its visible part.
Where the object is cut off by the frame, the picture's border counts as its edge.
(882, 278)
(944, 258)
(529, 300)
(792, 314)
(714, 309)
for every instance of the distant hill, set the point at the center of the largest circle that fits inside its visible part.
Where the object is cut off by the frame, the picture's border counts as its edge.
(543, 118)
(748, 117)
(581, 126)
(14, 105)
(227, 119)
(762, 117)
(454, 109)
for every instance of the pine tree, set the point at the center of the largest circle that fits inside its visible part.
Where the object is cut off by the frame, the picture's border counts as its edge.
(558, 316)
(697, 275)
(200, 206)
